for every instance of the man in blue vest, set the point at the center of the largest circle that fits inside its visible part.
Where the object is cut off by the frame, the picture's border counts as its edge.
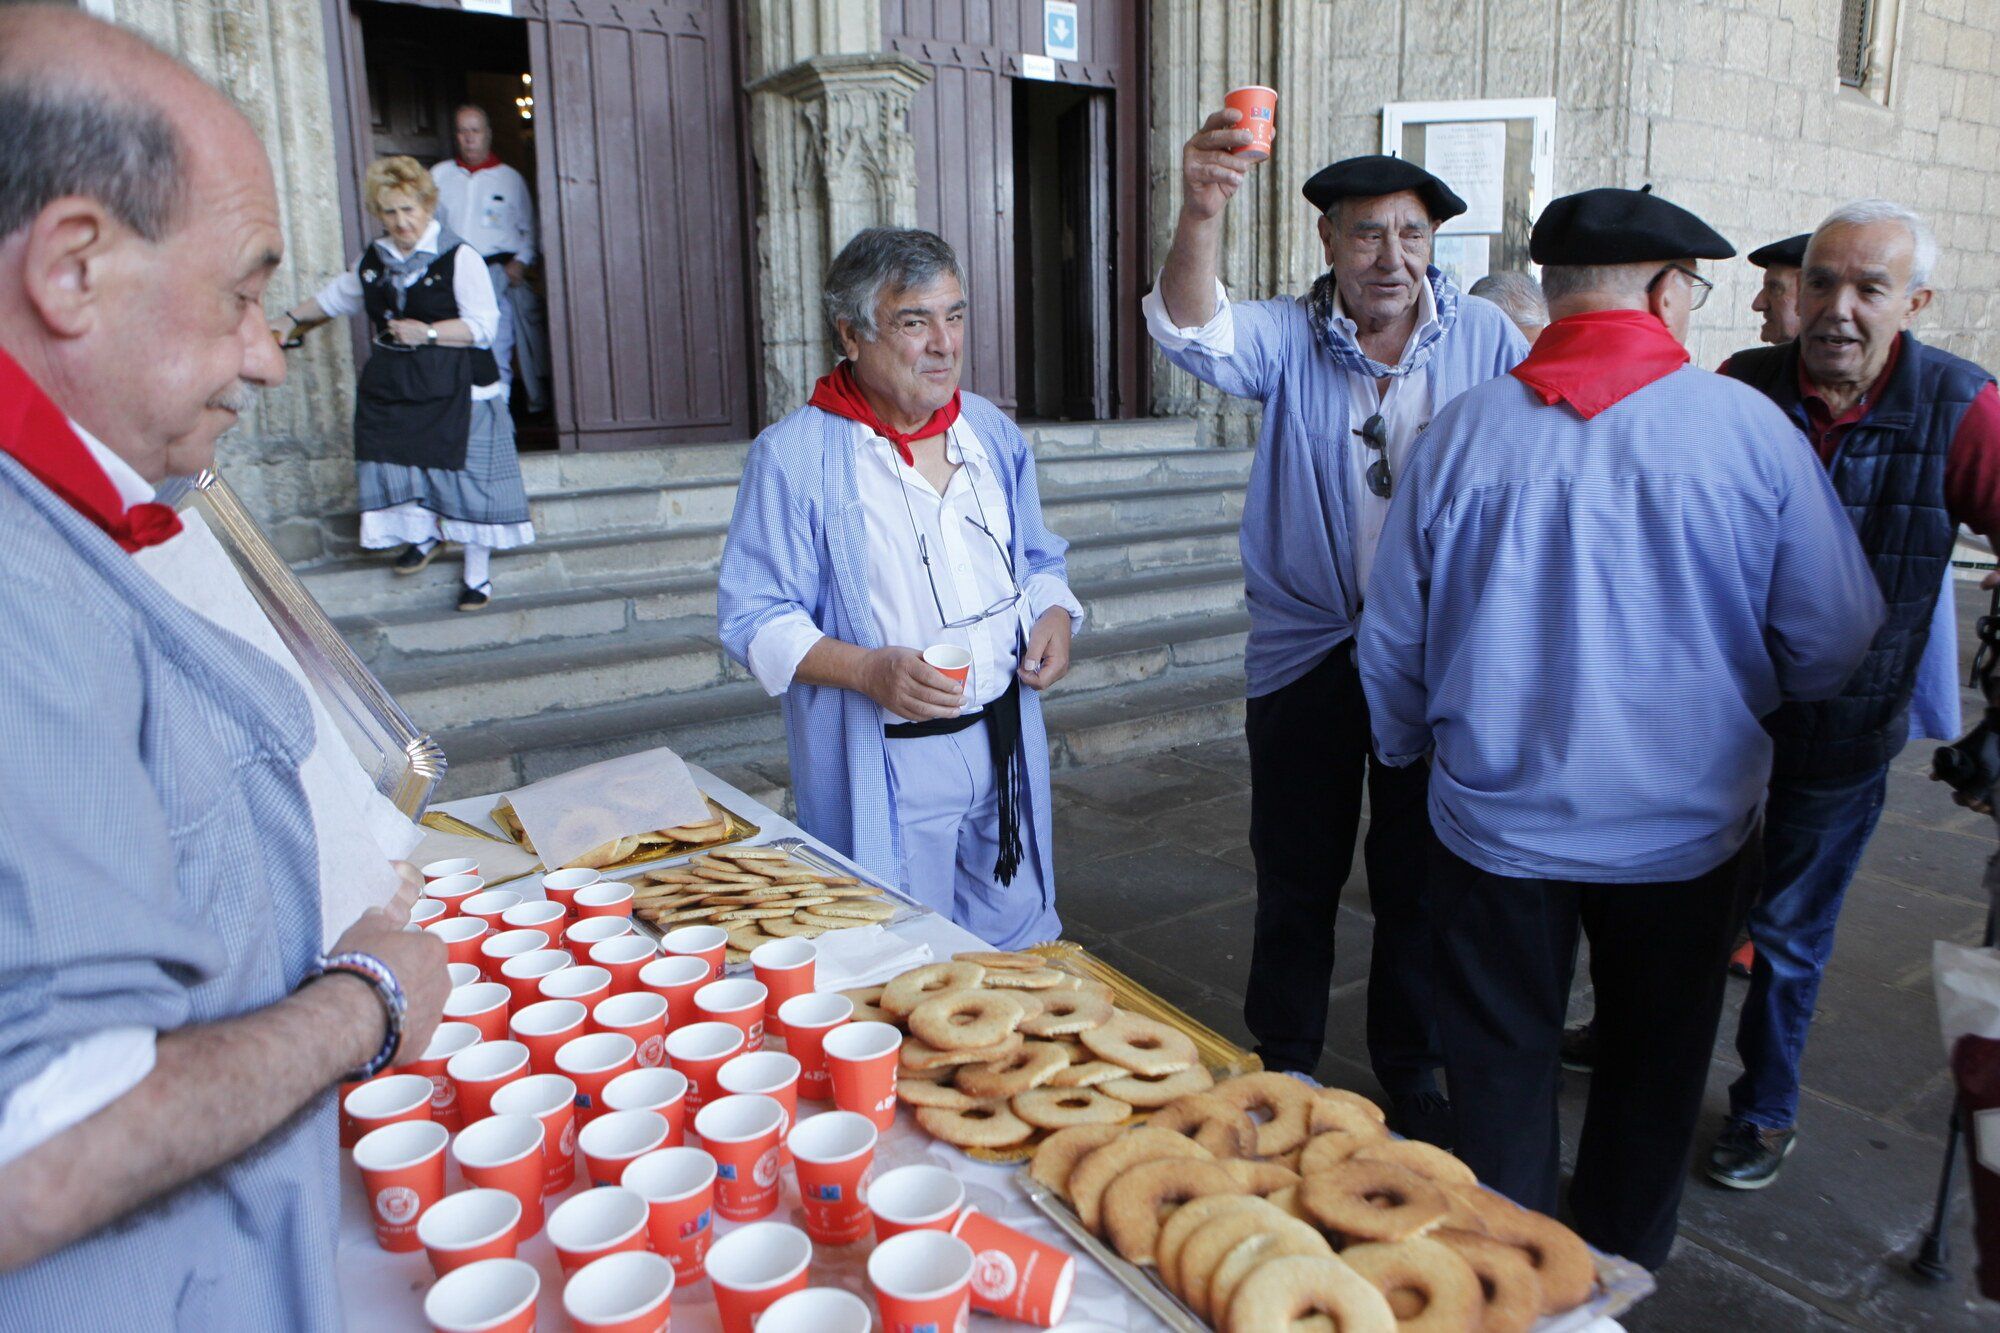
(1911, 438)
(1349, 375)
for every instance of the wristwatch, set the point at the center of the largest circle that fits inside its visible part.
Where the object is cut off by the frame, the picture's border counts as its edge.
(387, 989)
(431, 335)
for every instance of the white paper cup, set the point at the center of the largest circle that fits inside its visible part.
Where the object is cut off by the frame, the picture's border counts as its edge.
(597, 1220)
(385, 1100)
(759, 1256)
(569, 880)
(622, 1136)
(497, 949)
(471, 1219)
(819, 1010)
(672, 970)
(832, 1136)
(595, 930)
(595, 1052)
(920, 1196)
(490, 903)
(667, 1174)
(626, 948)
(533, 914)
(426, 910)
(783, 955)
(482, 1296)
(920, 1265)
(462, 974)
(605, 897)
(457, 865)
(949, 658)
(454, 888)
(694, 939)
(575, 982)
(817, 1310)
(466, 1002)
(619, 1290)
(645, 1090)
(497, 1140)
(535, 964)
(760, 1072)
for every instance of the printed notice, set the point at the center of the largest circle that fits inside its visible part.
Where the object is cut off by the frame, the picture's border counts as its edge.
(1470, 157)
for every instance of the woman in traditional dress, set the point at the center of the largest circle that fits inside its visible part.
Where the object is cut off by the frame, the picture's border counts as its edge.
(433, 441)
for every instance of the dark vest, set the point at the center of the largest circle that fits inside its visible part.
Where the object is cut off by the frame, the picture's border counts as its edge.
(1889, 473)
(413, 405)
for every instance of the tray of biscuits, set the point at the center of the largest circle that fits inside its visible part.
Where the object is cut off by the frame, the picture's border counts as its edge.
(1259, 1201)
(723, 828)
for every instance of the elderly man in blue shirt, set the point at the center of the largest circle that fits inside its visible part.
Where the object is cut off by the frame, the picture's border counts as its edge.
(1349, 374)
(1603, 572)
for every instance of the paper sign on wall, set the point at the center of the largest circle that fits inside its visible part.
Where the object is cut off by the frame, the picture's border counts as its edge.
(1059, 39)
(1470, 157)
(501, 7)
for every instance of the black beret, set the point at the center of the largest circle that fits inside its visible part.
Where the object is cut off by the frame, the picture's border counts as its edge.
(1621, 227)
(1376, 175)
(1790, 252)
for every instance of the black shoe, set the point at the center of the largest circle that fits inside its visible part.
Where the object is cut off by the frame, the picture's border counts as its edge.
(1422, 1115)
(475, 599)
(1579, 1048)
(1748, 1157)
(414, 557)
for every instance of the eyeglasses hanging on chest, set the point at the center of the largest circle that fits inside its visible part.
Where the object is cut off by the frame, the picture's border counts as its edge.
(924, 553)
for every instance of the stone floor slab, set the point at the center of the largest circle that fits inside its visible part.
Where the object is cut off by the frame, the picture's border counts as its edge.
(1119, 893)
(1141, 788)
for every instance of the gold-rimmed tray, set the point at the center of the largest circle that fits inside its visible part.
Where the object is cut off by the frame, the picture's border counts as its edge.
(738, 830)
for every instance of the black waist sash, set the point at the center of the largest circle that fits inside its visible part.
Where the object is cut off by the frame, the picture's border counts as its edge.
(1003, 740)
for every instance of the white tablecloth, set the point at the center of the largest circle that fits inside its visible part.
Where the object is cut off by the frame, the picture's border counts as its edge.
(384, 1292)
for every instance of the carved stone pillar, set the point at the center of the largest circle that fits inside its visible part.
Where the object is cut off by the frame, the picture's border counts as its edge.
(834, 154)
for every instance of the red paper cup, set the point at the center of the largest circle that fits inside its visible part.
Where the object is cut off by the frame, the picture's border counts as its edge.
(388, 1100)
(861, 1059)
(608, 898)
(463, 974)
(458, 865)
(426, 910)
(642, 1016)
(537, 914)
(1015, 1276)
(624, 957)
(741, 1133)
(545, 1027)
(704, 942)
(1259, 106)
(596, 1223)
(678, 1185)
(922, 1281)
(595, 930)
(660, 1090)
(522, 974)
(615, 1140)
(496, 949)
(950, 660)
(560, 886)
(699, 1051)
(349, 1135)
(621, 1293)
(491, 1296)
(402, 1174)
(770, 1074)
(453, 890)
(675, 978)
(593, 1060)
(807, 1019)
(468, 1226)
(446, 1041)
(752, 1267)
(480, 1071)
(739, 1001)
(832, 1153)
(489, 905)
(551, 1099)
(504, 1152)
(585, 984)
(915, 1198)
(787, 968)
(461, 936)
(817, 1310)
(482, 1004)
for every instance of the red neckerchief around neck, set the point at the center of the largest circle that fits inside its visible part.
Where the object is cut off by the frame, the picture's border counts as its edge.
(492, 160)
(839, 394)
(1599, 358)
(35, 433)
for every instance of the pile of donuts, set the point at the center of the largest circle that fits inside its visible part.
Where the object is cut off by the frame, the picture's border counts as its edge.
(1002, 1048)
(1261, 1201)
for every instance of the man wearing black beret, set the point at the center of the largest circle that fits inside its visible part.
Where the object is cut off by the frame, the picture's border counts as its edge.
(1778, 299)
(1600, 572)
(1348, 375)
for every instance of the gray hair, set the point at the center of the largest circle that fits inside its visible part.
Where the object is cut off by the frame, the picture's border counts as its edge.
(1516, 293)
(1868, 212)
(1560, 281)
(878, 259)
(61, 142)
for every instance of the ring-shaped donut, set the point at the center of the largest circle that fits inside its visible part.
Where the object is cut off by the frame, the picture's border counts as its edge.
(1143, 1045)
(1182, 1224)
(1262, 1179)
(912, 988)
(1064, 1108)
(1059, 1153)
(1562, 1261)
(1427, 1160)
(1007, 978)
(868, 1005)
(1087, 1073)
(1204, 1251)
(1279, 1102)
(987, 1125)
(1284, 1241)
(1366, 1201)
(1137, 1200)
(1218, 1125)
(1323, 1117)
(923, 1057)
(1279, 1294)
(1030, 1067)
(965, 1020)
(1147, 1093)
(1430, 1289)
(1100, 1167)
(1343, 1121)
(1326, 1151)
(1067, 1011)
(1510, 1291)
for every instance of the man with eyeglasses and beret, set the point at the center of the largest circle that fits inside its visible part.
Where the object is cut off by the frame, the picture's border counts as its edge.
(1349, 374)
(891, 515)
(1601, 572)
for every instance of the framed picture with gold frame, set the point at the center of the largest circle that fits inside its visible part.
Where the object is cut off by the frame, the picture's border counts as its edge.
(402, 762)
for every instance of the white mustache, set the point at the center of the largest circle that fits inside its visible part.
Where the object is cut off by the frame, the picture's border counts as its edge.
(238, 398)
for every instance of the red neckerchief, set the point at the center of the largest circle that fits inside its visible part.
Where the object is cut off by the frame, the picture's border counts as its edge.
(1599, 358)
(492, 160)
(839, 394)
(1822, 425)
(35, 433)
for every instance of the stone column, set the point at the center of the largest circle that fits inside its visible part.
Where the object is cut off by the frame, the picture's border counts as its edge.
(834, 155)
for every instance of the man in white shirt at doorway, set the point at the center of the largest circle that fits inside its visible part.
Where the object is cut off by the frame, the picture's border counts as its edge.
(487, 203)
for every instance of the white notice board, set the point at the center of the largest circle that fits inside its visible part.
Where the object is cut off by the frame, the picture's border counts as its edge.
(1499, 155)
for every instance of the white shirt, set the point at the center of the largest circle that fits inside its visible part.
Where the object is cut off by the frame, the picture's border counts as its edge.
(94, 1071)
(970, 570)
(490, 208)
(1405, 404)
(471, 288)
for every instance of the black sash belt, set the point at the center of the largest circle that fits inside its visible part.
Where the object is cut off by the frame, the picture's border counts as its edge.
(1003, 738)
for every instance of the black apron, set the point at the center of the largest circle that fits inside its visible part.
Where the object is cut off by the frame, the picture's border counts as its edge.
(413, 405)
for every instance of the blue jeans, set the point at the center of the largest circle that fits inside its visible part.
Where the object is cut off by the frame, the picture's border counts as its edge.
(1814, 834)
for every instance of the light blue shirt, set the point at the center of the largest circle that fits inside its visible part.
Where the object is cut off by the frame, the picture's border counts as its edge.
(1583, 622)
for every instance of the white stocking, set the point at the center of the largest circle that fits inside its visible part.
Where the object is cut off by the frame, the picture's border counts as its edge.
(476, 558)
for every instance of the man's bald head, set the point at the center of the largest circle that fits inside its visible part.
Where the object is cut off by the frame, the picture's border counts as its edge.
(138, 227)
